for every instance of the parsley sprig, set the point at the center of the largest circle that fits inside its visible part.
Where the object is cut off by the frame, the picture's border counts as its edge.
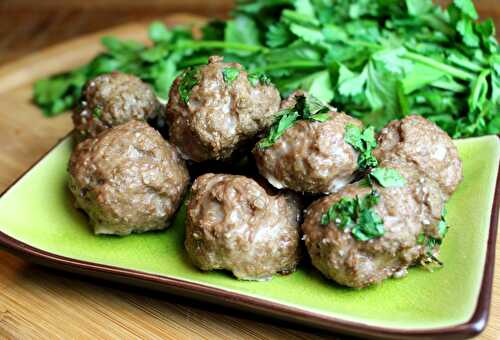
(97, 113)
(387, 177)
(188, 81)
(307, 107)
(364, 142)
(356, 215)
(258, 78)
(430, 261)
(230, 74)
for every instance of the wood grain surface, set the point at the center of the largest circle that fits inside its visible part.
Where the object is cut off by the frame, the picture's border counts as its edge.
(38, 303)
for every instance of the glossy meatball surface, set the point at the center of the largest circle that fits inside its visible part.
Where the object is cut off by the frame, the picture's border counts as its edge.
(407, 212)
(128, 179)
(220, 112)
(113, 99)
(423, 144)
(234, 224)
(310, 156)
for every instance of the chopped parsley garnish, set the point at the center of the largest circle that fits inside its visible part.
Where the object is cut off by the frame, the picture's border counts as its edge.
(286, 119)
(97, 113)
(430, 261)
(364, 142)
(258, 78)
(188, 81)
(230, 74)
(306, 108)
(387, 177)
(357, 215)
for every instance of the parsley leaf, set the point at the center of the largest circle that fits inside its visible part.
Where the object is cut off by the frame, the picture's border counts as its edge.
(97, 112)
(306, 108)
(418, 7)
(286, 119)
(364, 142)
(387, 177)
(357, 215)
(370, 226)
(230, 74)
(467, 7)
(278, 35)
(258, 78)
(430, 261)
(241, 29)
(188, 81)
(159, 33)
(321, 117)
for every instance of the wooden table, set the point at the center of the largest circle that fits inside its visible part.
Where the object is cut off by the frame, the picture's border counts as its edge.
(36, 302)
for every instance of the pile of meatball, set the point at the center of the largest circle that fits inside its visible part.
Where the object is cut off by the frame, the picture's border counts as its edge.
(129, 179)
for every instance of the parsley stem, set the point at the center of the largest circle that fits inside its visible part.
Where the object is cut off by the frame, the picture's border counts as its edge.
(479, 87)
(458, 73)
(193, 61)
(201, 44)
(290, 64)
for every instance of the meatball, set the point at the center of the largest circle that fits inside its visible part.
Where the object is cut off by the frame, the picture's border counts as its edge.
(310, 156)
(408, 213)
(234, 224)
(221, 111)
(426, 146)
(128, 179)
(113, 99)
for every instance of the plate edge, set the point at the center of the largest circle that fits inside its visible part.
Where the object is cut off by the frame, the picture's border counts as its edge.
(474, 326)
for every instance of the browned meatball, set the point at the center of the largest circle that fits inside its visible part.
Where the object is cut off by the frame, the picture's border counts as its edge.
(426, 146)
(113, 99)
(408, 214)
(213, 118)
(233, 224)
(128, 179)
(310, 156)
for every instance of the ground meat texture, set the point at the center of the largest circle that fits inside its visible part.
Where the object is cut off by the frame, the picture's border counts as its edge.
(128, 179)
(407, 212)
(113, 99)
(425, 191)
(310, 156)
(233, 224)
(422, 143)
(220, 115)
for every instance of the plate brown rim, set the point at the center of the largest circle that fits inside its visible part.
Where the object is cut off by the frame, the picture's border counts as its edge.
(475, 325)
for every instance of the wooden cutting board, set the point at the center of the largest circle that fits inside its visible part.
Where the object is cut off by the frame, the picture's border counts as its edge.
(41, 303)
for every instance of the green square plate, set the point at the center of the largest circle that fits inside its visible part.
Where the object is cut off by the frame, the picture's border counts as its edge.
(37, 220)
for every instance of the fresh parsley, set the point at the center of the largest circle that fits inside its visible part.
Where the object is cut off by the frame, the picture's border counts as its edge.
(307, 107)
(377, 60)
(430, 261)
(388, 178)
(188, 81)
(258, 78)
(286, 119)
(357, 215)
(364, 142)
(230, 74)
(97, 113)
